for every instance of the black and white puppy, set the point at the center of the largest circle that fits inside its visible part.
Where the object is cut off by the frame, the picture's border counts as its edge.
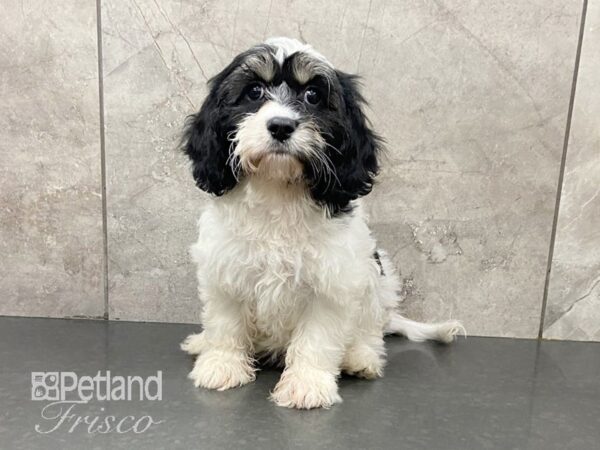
(287, 267)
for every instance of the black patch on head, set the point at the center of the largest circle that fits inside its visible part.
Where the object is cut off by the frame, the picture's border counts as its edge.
(207, 135)
(352, 146)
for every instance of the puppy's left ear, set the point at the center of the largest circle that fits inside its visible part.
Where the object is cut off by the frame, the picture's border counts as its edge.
(205, 143)
(354, 155)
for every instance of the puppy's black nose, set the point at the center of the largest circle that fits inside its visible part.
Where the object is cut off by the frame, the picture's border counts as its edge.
(281, 128)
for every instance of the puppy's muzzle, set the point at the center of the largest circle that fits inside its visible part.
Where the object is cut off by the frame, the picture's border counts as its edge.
(281, 128)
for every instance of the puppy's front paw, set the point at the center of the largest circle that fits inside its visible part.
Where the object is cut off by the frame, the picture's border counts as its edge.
(216, 369)
(306, 388)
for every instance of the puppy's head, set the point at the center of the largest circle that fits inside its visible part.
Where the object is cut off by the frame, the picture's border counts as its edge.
(281, 111)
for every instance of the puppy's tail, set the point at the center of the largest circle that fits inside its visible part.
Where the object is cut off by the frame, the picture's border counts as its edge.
(419, 331)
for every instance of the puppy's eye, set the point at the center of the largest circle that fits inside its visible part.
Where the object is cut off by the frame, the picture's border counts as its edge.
(255, 92)
(312, 96)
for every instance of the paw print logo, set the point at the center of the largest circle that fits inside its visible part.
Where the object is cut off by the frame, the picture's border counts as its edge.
(45, 386)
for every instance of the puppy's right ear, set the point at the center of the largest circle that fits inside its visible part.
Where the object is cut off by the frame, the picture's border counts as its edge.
(205, 143)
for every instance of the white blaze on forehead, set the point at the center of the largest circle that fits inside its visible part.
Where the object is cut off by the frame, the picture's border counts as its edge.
(287, 46)
(281, 93)
(276, 109)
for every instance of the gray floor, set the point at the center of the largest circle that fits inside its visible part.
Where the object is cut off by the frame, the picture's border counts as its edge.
(476, 394)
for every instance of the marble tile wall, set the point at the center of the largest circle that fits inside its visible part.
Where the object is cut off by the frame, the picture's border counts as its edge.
(471, 98)
(473, 117)
(475, 127)
(573, 305)
(50, 184)
(157, 57)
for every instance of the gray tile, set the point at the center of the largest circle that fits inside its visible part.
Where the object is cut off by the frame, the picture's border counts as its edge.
(157, 57)
(156, 60)
(479, 393)
(472, 101)
(50, 188)
(573, 308)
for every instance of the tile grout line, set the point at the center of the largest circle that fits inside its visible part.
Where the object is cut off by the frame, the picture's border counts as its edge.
(561, 174)
(102, 159)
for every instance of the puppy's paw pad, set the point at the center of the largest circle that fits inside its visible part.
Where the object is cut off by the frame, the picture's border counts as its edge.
(193, 344)
(221, 371)
(363, 362)
(306, 389)
(368, 373)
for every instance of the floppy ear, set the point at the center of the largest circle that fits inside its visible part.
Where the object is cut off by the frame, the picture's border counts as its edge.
(205, 143)
(354, 152)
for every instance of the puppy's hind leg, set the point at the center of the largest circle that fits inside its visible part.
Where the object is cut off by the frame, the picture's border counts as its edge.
(419, 331)
(365, 357)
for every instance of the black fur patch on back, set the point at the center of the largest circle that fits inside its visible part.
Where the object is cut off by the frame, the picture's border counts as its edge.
(378, 261)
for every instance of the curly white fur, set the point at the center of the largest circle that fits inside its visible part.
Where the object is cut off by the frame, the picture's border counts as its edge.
(279, 277)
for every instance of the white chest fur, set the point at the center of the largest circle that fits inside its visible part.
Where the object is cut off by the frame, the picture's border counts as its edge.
(270, 247)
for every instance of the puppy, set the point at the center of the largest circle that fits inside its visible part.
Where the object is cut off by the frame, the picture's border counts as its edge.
(287, 267)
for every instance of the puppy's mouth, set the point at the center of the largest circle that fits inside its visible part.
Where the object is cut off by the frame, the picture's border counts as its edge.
(276, 164)
(272, 155)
